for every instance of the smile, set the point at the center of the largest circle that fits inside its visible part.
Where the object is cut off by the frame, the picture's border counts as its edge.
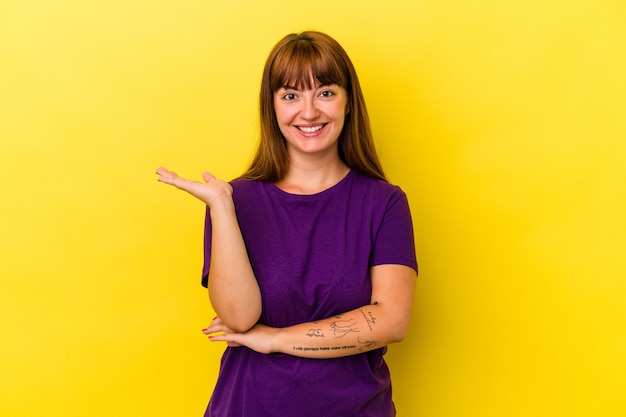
(311, 129)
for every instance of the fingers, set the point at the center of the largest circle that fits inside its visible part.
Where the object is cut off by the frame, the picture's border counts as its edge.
(166, 176)
(172, 178)
(216, 326)
(165, 172)
(228, 338)
(218, 332)
(209, 191)
(207, 176)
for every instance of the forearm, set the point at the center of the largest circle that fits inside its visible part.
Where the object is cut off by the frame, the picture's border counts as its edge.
(233, 289)
(386, 320)
(366, 328)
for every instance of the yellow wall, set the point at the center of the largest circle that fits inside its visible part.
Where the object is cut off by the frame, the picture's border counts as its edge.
(503, 121)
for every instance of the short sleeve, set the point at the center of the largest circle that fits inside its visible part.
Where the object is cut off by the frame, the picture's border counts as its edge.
(394, 241)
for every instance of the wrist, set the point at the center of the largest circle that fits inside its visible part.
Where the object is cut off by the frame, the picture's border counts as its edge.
(278, 340)
(222, 203)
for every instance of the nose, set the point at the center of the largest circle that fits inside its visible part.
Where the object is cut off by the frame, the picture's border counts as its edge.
(309, 108)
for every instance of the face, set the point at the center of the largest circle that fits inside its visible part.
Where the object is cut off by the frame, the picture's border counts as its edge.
(311, 120)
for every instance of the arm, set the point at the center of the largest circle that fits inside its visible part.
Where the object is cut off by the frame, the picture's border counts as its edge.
(233, 289)
(386, 320)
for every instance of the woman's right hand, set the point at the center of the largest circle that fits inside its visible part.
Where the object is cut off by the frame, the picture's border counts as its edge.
(209, 191)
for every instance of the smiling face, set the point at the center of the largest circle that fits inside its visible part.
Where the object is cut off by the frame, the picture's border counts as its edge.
(309, 61)
(311, 119)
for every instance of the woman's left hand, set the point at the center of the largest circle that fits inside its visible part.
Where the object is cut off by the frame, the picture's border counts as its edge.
(259, 338)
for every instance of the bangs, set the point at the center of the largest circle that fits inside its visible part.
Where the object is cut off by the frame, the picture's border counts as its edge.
(302, 66)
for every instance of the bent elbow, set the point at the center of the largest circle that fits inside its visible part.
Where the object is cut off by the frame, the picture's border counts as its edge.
(240, 323)
(239, 316)
(397, 337)
(399, 332)
(244, 324)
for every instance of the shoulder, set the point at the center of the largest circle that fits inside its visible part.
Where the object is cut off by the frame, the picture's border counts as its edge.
(243, 183)
(377, 188)
(248, 193)
(246, 186)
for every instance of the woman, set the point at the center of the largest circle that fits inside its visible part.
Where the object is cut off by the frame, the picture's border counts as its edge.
(309, 256)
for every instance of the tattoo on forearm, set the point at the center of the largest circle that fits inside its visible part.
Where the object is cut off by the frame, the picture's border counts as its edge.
(367, 344)
(322, 348)
(315, 333)
(340, 328)
(369, 319)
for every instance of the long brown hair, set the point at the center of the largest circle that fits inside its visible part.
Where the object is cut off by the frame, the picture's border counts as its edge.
(301, 60)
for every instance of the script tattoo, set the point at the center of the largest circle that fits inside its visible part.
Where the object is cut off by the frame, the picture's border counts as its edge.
(369, 318)
(322, 348)
(340, 328)
(315, 333)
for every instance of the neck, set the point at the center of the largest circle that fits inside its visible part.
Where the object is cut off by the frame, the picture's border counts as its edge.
(311, 177)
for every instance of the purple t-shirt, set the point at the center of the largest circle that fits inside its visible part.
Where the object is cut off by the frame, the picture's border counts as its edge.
(311, 255)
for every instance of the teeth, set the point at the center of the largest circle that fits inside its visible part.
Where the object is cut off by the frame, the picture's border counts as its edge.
(310, 129)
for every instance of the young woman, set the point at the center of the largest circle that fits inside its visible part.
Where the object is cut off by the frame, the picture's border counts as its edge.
(309, 255)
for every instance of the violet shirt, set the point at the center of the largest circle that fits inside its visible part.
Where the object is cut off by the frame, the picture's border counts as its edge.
(311, 255)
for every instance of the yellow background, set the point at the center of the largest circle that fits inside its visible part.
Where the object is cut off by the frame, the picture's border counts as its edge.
(505, 122)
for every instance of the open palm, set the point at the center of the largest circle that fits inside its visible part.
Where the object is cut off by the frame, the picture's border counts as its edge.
(209, 191)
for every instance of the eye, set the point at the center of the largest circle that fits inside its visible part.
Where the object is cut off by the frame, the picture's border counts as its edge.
(327, 93)
(289, 96)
